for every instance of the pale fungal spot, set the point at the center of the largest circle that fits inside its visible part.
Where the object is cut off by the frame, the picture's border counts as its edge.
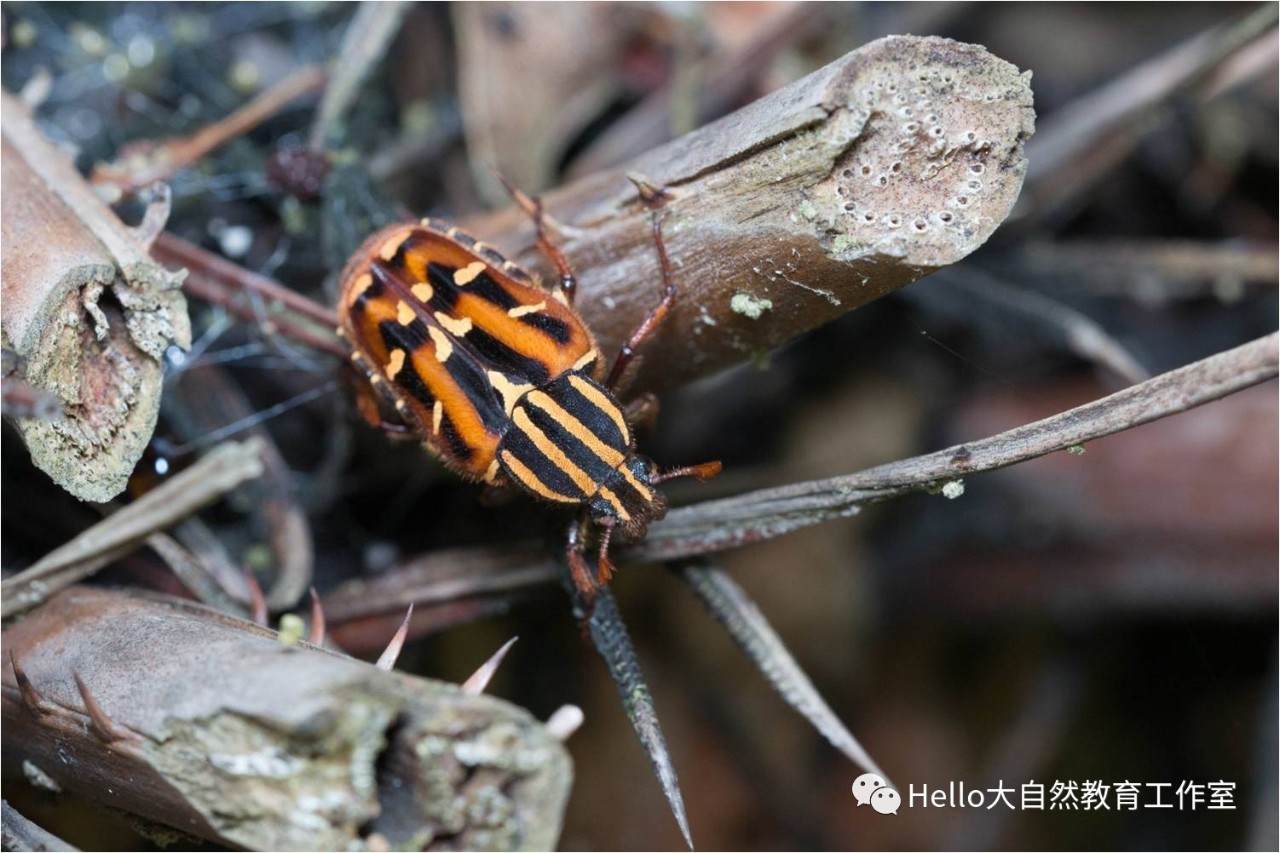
(394, 363)
(437, 416)
(444, 346)
(953, 489)
(423, 292)
(389, 248)
(468, 274)
(750, 306)
(456, 326)
(404, 313)
(521, 310)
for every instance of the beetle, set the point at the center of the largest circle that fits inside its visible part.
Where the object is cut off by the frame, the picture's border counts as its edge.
(501, 379)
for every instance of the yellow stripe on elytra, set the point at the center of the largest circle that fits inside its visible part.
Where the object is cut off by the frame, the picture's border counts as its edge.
(395, 362)
(468, 274)
(577, 429)
(530, 480)
(423, 292)
(608, 495)
(405, 313)
(548, 448)
(390, 247)
(508, 390)
(603, 403)
(521, 310)
(363, 283)
(444, 346)
(456, 326)
(437, 415)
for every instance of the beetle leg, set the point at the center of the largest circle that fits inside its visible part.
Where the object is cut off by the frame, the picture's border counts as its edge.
(580, 574)
(642, 412)
(371, 410)
(651, 322)
(605, 567)
(533, 207)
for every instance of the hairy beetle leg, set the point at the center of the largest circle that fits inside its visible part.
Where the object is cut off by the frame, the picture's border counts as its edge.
(533, 207)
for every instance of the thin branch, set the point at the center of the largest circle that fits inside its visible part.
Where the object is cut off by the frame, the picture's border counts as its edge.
(146, 162)
(363, 45)
(722, 524)
(220, 471)
(21, 834)
(1080, 143)
(251, 296)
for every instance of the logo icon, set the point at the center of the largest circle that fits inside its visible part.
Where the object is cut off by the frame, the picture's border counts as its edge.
(870, 789)
(865, 786)
(886, 800)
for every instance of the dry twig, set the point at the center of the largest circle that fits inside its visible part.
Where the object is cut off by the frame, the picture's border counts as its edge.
(900, 158)
(220, 471)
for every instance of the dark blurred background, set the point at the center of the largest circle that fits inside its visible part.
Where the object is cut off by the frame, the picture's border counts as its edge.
(1108, 616)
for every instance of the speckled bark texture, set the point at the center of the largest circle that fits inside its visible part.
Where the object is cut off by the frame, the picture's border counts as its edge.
(899, 158)
(224, 733)
(86, 310)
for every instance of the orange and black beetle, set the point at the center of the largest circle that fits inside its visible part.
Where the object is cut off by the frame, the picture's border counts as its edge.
(500, 378)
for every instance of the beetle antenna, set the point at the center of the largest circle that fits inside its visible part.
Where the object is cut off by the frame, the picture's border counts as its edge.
(702, 472)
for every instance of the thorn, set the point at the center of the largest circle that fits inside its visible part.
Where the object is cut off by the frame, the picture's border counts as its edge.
(30, 696)
(566, 720)
(101, 724)
(387, 660)
(651, 195)
(257, 601)
(316, 635)
(480, 679)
